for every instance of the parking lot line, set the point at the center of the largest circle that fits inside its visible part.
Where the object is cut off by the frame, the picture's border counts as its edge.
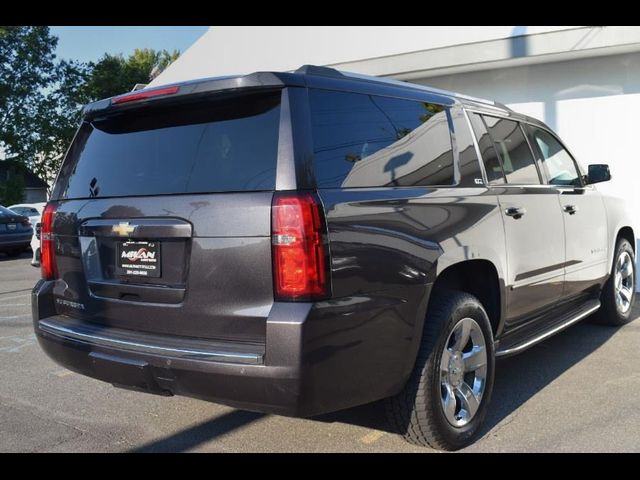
(372, 437)
(14, 296)
(26, 290)
(14, 317)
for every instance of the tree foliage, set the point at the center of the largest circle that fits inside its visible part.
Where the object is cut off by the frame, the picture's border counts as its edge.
(41, 97)
(26, 69)
(115, 74)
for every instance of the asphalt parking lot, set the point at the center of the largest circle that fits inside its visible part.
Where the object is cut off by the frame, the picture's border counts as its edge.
(579, 391)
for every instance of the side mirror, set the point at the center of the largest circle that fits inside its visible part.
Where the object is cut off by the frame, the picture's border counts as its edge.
(598, 173)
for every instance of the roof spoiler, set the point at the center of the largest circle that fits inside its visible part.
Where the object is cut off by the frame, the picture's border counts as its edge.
(254, 80)
(178, 91)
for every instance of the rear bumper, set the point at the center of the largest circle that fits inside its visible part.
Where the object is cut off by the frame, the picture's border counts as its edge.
(14, 240)
(317, 357)
(247, 386)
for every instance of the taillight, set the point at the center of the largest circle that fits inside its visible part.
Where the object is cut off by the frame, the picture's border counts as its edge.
(144, 94)
(47, 248)
(300, 256)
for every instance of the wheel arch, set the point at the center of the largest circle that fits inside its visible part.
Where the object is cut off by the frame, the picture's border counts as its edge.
(481, 278)
(628, 234)
(457, 268)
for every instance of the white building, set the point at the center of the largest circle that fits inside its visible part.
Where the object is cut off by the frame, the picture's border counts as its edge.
(584, 82)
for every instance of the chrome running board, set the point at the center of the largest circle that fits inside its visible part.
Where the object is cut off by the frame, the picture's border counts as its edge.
(587, 310)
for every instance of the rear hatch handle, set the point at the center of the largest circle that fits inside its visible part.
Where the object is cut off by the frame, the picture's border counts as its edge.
(137, 228)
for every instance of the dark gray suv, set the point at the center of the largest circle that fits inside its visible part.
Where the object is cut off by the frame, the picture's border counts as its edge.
(299, 243)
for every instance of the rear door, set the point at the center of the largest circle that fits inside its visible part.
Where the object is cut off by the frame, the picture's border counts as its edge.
(533, 222)
(163, 219)
(584, 214)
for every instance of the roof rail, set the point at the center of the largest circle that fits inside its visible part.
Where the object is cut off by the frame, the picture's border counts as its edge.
(316, 70)
(332, 72)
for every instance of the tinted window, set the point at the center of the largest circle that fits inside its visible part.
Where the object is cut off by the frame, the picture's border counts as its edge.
(27, 211)
(560, 167)
(488, 151)
(517, 161)
(370, 141)
(221, 146)
(5, 212)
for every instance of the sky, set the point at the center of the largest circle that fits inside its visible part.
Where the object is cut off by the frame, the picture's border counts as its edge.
(90, 43)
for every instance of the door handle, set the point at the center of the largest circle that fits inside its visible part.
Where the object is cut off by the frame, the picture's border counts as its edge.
(570, 209)
(515, 212)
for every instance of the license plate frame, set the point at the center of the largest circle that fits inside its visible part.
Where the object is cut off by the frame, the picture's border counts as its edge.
(138, 259)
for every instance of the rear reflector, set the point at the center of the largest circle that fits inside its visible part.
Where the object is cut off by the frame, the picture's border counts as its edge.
(300, 255)
(48, 266)
(132, 97)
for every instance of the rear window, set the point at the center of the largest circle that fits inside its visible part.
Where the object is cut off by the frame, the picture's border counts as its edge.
(5, 212)
(28, 211)
(371, 141)
(217, 146)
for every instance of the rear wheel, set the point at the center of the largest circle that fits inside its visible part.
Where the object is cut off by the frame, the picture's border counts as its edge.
(445, 400)
(618, 293)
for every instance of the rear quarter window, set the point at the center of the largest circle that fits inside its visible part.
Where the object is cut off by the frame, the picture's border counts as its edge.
(214, 146)
(372, 141)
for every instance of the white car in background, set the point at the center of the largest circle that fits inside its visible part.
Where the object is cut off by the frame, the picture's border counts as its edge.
(34, 212)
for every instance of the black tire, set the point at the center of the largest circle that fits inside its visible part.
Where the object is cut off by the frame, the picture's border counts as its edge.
(417, 412)
(611, 313)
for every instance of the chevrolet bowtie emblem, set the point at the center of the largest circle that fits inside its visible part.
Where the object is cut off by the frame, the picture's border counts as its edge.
(123, 229)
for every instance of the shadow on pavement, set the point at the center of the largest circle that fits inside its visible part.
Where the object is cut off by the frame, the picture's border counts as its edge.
(517, 378)
(193, 436)
(520, 377)
(4, 256)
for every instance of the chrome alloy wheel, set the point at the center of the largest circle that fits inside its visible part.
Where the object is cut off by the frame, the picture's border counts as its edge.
(463, 372)
(624, 282)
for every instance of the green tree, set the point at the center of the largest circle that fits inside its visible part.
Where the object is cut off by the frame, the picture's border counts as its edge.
(40, 98)
(115, 74)
(57, 118)
(26, 68)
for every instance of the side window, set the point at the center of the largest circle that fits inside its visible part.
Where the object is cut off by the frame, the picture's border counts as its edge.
(370, 141)
(490, 158)
(560, 167)
(517, 160)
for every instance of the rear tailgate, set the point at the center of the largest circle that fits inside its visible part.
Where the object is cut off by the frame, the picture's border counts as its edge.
(163, 219)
